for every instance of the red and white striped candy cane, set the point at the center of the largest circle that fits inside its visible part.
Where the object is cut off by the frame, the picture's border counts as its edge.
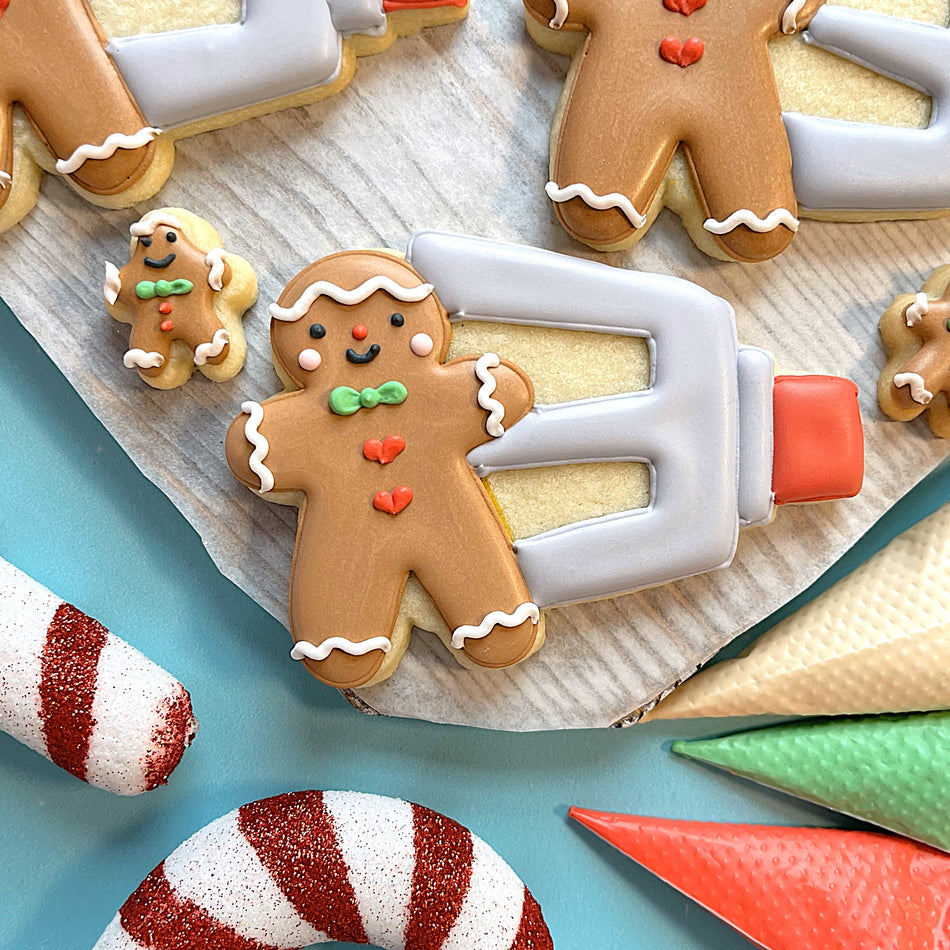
(308, 867)
(82, 697)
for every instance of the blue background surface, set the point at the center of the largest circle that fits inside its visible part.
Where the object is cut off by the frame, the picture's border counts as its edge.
(76, 514)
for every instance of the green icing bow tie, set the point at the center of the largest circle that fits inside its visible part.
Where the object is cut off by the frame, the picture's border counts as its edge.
(147, 289)
(344, 400)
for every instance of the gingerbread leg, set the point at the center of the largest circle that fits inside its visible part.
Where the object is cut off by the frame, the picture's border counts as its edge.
(604, 185)
(344, 601)
(483, 599)
(6, 152)
(75, 97)
(746, 192)
(148, 351)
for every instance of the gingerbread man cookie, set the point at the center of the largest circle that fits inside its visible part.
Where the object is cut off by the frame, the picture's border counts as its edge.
(651, 75)
(184, 296)
(370, 439)
(53, 63)
(916, 333)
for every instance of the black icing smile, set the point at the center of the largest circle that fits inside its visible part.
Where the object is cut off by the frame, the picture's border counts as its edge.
(164, 262)
(366, 357)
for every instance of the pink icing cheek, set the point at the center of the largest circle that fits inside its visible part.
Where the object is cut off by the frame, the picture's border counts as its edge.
(421, 344)
(309, 360)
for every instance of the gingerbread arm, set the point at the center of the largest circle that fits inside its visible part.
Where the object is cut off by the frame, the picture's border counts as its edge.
(557, 13)
(795, 15)
(503, 393)
(6, 151)
(257, 456)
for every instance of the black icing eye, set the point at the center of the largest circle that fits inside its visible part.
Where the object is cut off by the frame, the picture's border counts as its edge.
(318, 331)
(397, 319)
(146, 242)
(171, 237)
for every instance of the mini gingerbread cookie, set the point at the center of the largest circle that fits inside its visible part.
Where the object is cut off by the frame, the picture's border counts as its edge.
(916, 333)
(651, 75)
(371, 441)
(107, 116)
(184, 296)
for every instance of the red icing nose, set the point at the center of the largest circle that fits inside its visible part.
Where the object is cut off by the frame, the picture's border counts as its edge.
(360, 332)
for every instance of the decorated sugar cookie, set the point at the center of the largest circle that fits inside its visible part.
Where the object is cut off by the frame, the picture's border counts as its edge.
(106, 114)
(313, 867)
(649, 75)
(184, 296)
(398, 458)
(916, 333)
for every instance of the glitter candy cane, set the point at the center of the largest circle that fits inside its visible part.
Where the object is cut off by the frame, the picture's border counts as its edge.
(82, 697)
(309, 867)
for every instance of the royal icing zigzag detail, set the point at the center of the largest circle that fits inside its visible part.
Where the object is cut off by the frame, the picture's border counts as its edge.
(215, 260)
(349, 297)
(497, 618)
(143, 359)
(918, 388)
(495, 409)
(598, 202)
(112, 143)
(304, 650)
(917, 310)
(151, 222)
(113, 284)
(208, 351)
(255, 413)
(753, 222)
(790, 16)
(561, 11)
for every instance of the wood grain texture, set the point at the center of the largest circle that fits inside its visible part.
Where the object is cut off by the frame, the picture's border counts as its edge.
(449, 129)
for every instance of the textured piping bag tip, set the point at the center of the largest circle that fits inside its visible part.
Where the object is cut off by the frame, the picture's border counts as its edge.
(892, 771)
(82, 697)
(801, 888)
(863, 646)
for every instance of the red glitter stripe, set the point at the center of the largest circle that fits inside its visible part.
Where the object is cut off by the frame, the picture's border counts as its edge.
(533, 933)
(69, 667)
(177, 727)
(155, 916)
(294, 839)
(440, 878)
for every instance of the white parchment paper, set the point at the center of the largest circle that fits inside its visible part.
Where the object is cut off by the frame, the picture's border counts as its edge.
(449, 129)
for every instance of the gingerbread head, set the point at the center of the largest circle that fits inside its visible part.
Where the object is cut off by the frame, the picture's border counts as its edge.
(650, 76)
(184, 296)
(370, 441)
(916, 332)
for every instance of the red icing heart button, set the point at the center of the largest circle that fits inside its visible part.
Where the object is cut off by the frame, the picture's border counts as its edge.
(682, 54)
(383, 452)
(393, 502)
(686, 7)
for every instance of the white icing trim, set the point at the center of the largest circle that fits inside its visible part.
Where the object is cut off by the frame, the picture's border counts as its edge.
(149, 223)
(561, 10)
(303, 649)
(107, 149)
(349, 297)
(598, 202)
(497, 618)
(5, 179)
(215, 260)
(143, 359)
(790, 16)
(208, 351)
(917, 310)
(752, 221)
(918, 389)
(113, 284)
(261, 446)
(495, 409)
